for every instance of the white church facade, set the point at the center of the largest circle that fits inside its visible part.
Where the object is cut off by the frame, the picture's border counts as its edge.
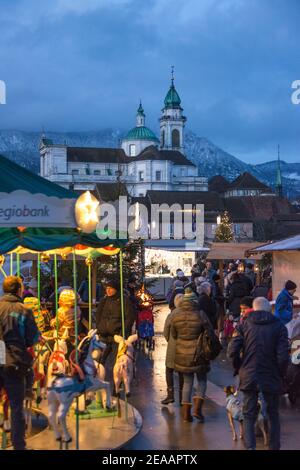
(143, 162)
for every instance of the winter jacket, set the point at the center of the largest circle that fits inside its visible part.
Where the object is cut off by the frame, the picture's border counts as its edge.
(186, 325)
(259, 351)
(284, 306)
(109, 317)
(18, 330)
(237, 291)
(208, 306)
(170, 355)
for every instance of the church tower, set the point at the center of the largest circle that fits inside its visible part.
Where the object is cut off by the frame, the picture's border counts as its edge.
(172, 121)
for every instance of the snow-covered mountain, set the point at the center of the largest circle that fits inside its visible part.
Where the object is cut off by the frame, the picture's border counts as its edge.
(23, 147)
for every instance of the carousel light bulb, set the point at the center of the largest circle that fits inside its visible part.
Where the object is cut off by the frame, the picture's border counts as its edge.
(88, 261)
(86, 212)
(2, 260)
(256, 268)
(45, 257)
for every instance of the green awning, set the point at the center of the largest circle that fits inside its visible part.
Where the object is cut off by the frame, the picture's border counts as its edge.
(44, 239)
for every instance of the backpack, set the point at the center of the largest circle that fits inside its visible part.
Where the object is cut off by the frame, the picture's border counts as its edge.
(208, 346)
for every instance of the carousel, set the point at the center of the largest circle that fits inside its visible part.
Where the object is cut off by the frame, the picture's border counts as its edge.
(71, 406)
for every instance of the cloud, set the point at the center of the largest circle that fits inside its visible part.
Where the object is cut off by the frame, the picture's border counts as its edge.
(84, 64)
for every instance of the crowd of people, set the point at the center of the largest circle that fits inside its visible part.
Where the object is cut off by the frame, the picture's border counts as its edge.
(258, 348)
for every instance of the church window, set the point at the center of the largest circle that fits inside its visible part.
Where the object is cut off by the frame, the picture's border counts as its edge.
(132, 150)
(163, 138)
(175, 138)
(141, 176)
(158, 176)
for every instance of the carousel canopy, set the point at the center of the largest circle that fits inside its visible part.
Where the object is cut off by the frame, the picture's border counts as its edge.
(29, 200)
(45, 239)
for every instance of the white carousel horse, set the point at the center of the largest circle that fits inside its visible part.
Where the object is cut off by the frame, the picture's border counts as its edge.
(123, 368)
(58, 365)
(62, 390)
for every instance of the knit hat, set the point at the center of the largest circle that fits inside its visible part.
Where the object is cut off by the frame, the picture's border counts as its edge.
(290, 285)
(178, 283)
(189, 294)
(248, 301)
(114, 284)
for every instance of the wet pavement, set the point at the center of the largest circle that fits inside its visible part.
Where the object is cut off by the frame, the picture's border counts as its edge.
(163, 426)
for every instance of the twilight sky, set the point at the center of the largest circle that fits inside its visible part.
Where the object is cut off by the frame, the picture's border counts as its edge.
(74, 65)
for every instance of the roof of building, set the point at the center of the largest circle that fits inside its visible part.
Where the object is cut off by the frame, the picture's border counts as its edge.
(107, 192)
(248, 181)
(141, 133)
(292, 243)
(218, 183)
(153, 153)
(258, 207)
(211, 200)
(172, 99)
(96, 155)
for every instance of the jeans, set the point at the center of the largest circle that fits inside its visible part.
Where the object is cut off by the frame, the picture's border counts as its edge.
(15, 389)
(170, 378)
(250, 411)
(188, 382)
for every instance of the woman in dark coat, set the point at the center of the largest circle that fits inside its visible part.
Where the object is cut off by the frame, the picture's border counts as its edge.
(237, 291)
(206, 303)
(186, 325)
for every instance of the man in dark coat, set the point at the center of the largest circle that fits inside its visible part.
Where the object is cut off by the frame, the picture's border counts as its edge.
(18, 330)
(259, 352)
(109, 317)
(237, 290)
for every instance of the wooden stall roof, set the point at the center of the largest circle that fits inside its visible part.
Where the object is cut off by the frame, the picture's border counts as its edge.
(219, 250)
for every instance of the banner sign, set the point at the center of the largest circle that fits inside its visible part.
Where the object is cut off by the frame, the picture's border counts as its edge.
(21, 208)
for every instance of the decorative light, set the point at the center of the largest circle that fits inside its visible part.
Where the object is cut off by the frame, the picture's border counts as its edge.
(21, 229)
(218, 220)
(45, 258)
(88, 261)
(86, 213)
(241, 268)
(2, 260)
(256, 268)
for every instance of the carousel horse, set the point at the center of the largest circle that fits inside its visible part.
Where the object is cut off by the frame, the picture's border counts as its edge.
(63, 389)
(123, 368)
(58, 365)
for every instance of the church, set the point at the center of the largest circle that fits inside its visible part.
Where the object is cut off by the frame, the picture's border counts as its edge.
(143, 163)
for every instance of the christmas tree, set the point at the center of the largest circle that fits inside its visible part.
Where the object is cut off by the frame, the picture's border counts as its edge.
(224, 232)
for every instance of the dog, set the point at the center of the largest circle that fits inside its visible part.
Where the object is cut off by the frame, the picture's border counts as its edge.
(235, 413)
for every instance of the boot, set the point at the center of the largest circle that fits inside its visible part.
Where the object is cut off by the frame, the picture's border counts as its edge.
(169, 398)
(187, 412)
(198, 404)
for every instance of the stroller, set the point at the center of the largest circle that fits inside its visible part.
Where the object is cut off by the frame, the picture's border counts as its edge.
(145, 322)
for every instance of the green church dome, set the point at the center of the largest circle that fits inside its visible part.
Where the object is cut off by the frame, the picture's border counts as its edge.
(172, 99)
(141, 133)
